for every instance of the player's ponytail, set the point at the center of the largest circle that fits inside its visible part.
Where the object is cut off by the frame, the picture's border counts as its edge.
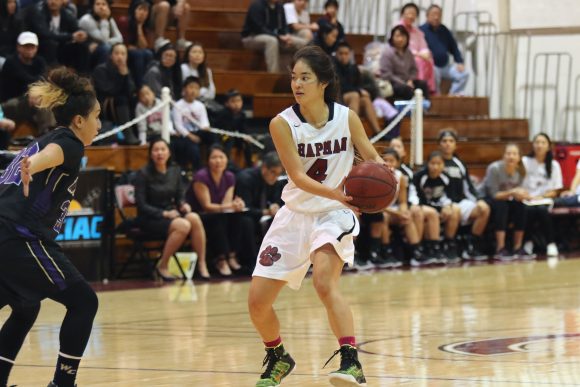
(322, 66)
(64, 93)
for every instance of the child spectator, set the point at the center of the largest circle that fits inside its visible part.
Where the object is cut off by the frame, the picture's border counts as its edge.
(234, 120)
(432, 186)
(194, 65)
(543, 180)
(353, 95)
(503, 187)
(102, 31)
(149, 128)
(191, 124)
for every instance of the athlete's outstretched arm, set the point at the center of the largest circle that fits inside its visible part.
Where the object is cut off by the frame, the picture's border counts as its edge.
(360, 139)
(51, 156)
(288, 153)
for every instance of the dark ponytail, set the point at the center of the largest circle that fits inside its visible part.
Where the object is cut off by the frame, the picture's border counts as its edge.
(322, 66)
(549, 155)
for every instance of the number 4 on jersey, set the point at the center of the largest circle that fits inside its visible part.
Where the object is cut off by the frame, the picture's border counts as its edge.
(318, 170)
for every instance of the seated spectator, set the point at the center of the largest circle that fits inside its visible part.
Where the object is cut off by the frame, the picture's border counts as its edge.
(326, 38)
(432, 187)
(423, 216)
(164, 72)
(115, 90)
(102, 31)
(398, 214)
(234, 120)
(191, 126)
(462, 192)
(298, 19)
(61, 40)
(194, 65)
(571, 197)
(265, 29)
(543, 181)
(212, 195)
(162, 13)
(19, 71)
(330, 17)
(418, 46)
(503, 188)
(397, 65)
(442, 43)
(261, 191)
(137, 40)
(162, 210)
(10, 26)
(149, 128)
(353, 94)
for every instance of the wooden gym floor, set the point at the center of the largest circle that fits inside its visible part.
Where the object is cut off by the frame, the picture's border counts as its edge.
(515, 324)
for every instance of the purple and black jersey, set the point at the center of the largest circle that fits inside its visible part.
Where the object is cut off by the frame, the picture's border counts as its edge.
(42, 213)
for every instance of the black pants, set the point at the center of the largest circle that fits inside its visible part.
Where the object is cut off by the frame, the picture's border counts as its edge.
(539, 222)
(186, 153)
(505, 211)
(223, 232)
(404, 91)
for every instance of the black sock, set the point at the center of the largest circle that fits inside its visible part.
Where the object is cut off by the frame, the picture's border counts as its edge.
(66, 371)
(5, 368)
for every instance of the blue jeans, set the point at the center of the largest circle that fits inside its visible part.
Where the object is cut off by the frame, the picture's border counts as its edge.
(139, 59)
(459, 79)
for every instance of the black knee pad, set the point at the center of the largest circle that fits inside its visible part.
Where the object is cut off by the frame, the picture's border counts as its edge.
(79, 297)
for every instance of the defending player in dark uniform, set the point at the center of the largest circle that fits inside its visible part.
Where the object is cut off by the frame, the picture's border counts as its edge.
(35, 193)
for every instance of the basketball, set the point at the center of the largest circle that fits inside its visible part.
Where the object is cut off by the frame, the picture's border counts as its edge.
(372, 186)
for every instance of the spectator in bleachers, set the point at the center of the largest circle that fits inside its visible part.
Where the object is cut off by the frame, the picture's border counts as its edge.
(212, 195)
(330, 17)
(19, 71)
(115, 90)
(234, 120)
(418, 46)
(543, 181)
(10, 26)
(61, 39)
(353, 94)
(397, 65)
(423, 216)
(327, 38)
(432, 185)
(398, 214)
(261, 191)
(149, 128)
(165, 71)
(442, 43)
(298, 18)
(265, 29)
(162, 13)
(102, 30)
(137, 41)
(191, 124)
(571, 197)
(462, 192)
(194, 65)
(163, 211)
(503, 187)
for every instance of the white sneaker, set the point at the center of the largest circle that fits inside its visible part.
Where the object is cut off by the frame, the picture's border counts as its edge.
(529, 247)
(552, 250)
(160, 42)
(182, 44)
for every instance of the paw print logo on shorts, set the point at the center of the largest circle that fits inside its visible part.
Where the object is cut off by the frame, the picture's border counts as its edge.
(269, 255)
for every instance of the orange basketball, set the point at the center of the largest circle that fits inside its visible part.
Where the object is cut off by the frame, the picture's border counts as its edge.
(372, 186)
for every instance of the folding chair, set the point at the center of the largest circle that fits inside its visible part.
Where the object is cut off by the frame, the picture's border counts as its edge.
(144, 244)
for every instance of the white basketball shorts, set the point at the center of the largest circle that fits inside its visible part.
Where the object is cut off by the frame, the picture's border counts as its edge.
(293, 237)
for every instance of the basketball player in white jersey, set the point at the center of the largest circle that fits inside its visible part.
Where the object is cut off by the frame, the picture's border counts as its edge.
(315, 140)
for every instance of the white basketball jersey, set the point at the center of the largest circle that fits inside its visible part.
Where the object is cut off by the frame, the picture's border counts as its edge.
(327, 155)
